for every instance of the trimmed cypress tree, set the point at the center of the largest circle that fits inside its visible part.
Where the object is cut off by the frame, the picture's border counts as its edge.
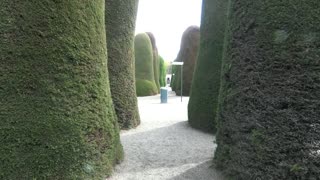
(120, 26)
(162, 78)
(145, 82)
(205, 88)
(188, 54)
(156, 62)
(57, 118)
(269, 113)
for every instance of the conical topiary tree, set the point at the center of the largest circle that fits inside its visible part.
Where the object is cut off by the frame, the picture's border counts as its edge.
(57, 119)
(120, 26)
(269, 113)
(188, 54)
(205, 88)
(156, 63)
(162, 78)
(145, 82)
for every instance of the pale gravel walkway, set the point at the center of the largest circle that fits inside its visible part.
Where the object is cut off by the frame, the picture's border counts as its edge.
(164, 146)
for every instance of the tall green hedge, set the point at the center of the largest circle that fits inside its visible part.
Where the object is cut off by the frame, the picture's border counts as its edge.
(269, 113)
(162, 70)
(188, 53)
(145, 81)
(120, 27)
(57, 117)
(156, 62)
(205, 88)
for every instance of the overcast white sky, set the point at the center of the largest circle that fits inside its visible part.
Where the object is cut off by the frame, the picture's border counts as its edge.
(167, 20)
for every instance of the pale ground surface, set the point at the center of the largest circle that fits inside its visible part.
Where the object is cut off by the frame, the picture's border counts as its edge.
(164, 146)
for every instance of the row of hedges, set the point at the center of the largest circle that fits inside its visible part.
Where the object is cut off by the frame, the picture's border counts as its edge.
(162, 70)
(57, 117)
(149, 65)
(188, 54)
(120, 26)
(144, 66)
(204, 95)
(268, 109)
(156, 63)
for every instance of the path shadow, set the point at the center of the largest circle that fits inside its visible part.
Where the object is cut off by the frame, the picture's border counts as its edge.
(177, 147)
(204, 171)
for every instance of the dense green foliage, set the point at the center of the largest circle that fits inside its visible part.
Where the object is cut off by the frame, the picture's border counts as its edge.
(145, 87)
(57, 118)
(120, 26)
(176, 78)
(162, 77)
(269, 114)
(188, 54)
(156, 62)
(205, 88)
(145, 82)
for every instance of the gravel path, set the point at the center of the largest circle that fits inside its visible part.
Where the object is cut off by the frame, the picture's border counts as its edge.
(164, 146)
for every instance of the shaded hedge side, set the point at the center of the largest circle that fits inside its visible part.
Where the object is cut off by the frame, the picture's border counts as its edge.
(144, 72)
(188, 54)
(270, 98)
(162, 77)
(120, 27)
(156, 62)
(56, 113)
(205, 88)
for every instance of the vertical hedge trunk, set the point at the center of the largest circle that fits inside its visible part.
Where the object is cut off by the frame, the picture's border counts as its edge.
(144, 71)
(270, 98)
(57, 119)
(188, 54)
(120, 27)
(156, 62)
(205, 87)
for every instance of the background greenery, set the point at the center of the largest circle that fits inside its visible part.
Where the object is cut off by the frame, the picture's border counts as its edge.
(188, 54)
(145, 81)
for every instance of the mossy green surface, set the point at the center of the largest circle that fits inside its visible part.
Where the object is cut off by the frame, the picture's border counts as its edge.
(145, 87)
(144, 71)
(268, 120)
(56, 113)
(120, 27)
(156, 62)
(188, 54)
(162, 70)
(205, 88)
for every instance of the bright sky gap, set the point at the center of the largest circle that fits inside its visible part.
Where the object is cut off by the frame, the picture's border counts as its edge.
(167, 20)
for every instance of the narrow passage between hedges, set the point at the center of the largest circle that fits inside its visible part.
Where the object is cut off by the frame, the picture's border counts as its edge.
(164, 146)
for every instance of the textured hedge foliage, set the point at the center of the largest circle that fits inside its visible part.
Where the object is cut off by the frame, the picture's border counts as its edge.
(205, 88)
(156, 62)
(188, 54)
(57, 118)
(145, 82)
(120, 26)
(162, 77)
(270, 98)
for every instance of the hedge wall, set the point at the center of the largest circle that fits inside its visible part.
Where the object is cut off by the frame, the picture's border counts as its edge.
(270, 98)
(162, 70)
(145, 82)
(57, 117)
(205, 87)
(120, 27)
(188, 53)
(156, 62)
